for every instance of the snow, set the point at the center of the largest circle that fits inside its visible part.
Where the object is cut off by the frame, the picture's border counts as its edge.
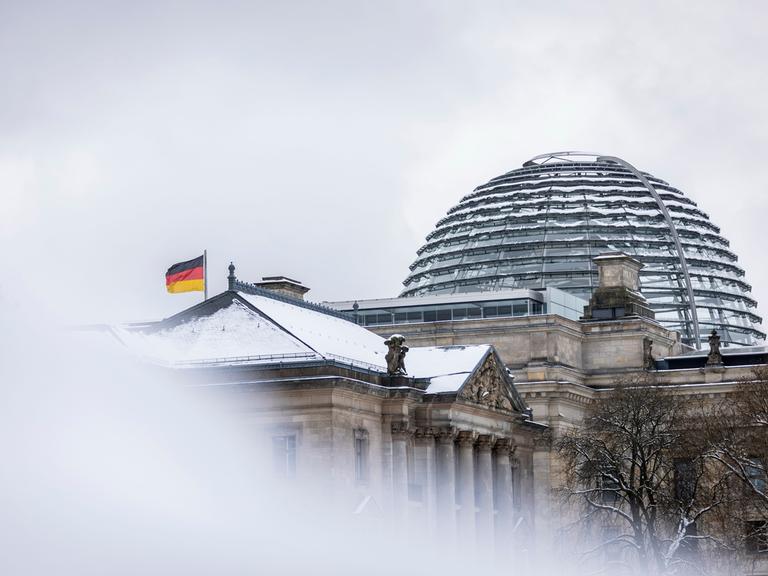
(447, 366)
(239, 335)
(231, 332)
(326, 334)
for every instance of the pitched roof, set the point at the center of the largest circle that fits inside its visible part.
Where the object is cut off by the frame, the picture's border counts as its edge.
(232, 332)
(234, 328)
(326, 334)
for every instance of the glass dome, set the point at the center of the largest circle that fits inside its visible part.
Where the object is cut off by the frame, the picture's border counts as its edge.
(542, 224)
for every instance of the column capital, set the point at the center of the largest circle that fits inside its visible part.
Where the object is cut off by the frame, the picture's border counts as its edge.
(542, 441)
(485, 442)
(401, 430)
(425, 432)
(466, 438)
(446, 434)
(504, 446)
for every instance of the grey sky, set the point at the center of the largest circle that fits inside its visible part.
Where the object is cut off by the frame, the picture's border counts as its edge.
(324, 140)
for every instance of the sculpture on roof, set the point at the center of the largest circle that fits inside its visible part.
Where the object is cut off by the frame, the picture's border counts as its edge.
(396, 356)
(648, 362)
(714, 358)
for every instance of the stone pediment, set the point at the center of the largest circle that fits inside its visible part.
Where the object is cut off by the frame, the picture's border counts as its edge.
(490, 386)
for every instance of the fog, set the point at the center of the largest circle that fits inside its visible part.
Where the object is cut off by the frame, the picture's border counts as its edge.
(321, 141)
(115, 467)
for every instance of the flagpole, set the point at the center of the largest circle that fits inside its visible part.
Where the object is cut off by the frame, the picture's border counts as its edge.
(205, 275)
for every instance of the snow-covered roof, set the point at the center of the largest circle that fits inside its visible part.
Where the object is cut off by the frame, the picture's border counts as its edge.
(324, 333)
(252, 329)
(231, 333)
(447, 367)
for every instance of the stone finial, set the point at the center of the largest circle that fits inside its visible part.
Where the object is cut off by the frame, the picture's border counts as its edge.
(714, 358)
(231, 278)
(396, 355)
(618, 293)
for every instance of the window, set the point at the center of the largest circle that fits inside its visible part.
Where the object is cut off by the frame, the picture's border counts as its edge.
(284, 456)
(756, 533)
(755, 470)
(612, 547)
(444, 314)
(685, 479)
(609, 488)
(361, 456)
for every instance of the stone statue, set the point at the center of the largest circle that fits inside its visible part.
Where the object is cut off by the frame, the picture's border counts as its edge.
(396, 356)
(648, 362)
(714, 358)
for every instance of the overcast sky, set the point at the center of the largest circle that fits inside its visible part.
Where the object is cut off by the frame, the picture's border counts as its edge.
(323, 140)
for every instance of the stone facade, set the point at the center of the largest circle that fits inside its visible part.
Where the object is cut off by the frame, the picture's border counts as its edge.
(453, 465)
(447, 452)
(561, 365)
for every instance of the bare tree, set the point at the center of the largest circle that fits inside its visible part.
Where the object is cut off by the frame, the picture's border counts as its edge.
(738, 438)
(637, 466)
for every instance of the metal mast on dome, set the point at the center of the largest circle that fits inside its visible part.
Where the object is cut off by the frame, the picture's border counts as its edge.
(565, 157)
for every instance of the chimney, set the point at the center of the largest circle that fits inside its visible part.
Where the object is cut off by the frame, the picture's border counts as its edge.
(618, 293)
(283, 285)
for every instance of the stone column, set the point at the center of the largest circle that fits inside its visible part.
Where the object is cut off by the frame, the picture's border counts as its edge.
(400, 434)
(424, 458)
(484, 481)
(446, 484)
(504, 519)
(542, 494)
(466, 484)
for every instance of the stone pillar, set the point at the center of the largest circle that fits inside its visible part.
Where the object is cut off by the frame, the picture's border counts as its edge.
(400, 434)
(484, 481)
(424, 460)
(466, 484)
(542, 495)
(503, 485)
(446, 484)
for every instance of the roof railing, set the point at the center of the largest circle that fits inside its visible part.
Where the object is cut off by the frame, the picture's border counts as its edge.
(249, 288)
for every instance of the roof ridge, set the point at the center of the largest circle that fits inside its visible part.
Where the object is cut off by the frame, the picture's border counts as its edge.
(250, 288)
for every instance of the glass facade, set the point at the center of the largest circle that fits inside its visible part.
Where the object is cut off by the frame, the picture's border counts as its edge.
(540, 226)
(440, 308)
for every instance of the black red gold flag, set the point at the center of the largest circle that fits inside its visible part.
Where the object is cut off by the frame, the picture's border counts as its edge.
(186, 276)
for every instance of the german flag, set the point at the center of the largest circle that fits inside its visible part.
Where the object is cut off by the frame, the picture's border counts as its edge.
(186, 276)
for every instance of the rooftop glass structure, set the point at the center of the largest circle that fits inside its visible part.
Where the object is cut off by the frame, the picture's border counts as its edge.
(541, 225)
(458, 307)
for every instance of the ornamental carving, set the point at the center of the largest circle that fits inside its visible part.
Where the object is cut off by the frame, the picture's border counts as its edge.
(401, 429)
(466, 438)
(485, 442)
(446, 435)
(488, 387)
(425, 433)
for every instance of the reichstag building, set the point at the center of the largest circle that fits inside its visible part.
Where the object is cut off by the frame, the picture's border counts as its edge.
(439, 409)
